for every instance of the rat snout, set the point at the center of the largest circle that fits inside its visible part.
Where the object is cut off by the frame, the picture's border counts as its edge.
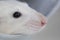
(43, 22)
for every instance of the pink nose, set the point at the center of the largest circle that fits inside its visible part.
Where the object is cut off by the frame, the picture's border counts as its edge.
(43, 22)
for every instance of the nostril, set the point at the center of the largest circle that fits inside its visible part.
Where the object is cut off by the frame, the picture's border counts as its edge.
(43, 23)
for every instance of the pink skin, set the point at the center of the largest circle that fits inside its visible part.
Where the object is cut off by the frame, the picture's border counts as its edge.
(43, 22)
(37, 25)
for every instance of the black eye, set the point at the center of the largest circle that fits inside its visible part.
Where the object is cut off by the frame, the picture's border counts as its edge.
(17, 14)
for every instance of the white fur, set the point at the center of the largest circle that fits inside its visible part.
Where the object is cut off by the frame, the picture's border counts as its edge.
(26, 24)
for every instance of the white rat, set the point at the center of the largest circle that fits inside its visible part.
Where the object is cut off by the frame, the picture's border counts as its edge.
(18, 18)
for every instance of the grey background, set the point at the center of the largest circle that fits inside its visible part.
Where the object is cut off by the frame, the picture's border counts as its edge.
(43, 6)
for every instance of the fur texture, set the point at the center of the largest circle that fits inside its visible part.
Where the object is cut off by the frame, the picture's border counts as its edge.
(30, 22)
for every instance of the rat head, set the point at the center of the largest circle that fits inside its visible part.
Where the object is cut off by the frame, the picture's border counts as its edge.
(18, 17)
